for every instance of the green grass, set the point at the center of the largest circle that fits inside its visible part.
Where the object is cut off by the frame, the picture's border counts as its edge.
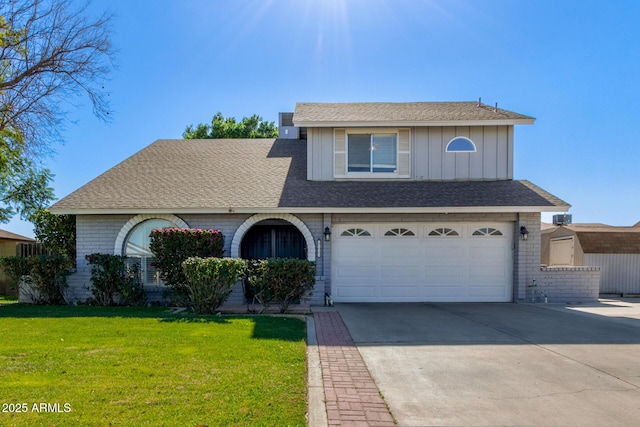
(7, 299)
(131, 366)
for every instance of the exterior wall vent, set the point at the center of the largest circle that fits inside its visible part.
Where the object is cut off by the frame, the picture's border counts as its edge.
(564, 219)
(286, 129)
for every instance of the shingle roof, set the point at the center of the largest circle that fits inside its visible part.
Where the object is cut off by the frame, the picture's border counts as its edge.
(606, 239)
(7, 235)
(236, 174)
(405, 113)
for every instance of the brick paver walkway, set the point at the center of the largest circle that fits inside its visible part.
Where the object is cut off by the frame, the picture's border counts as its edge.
(352, 398)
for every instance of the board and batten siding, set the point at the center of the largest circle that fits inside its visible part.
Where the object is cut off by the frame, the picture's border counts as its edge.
(493, 158)
(619, 273)
(421, 153)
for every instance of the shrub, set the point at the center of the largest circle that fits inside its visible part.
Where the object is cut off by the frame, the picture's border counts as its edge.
(256, 283)
(15, 267)
(114, 281)
(172, 246)
(48, 275)
(281, 280)
(44, 277)
(209, 281)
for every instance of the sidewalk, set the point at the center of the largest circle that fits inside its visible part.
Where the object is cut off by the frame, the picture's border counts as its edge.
(351, 396)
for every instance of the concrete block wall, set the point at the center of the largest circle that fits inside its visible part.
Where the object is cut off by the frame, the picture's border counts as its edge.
(526, 254)
(568, 284)
(94, 234)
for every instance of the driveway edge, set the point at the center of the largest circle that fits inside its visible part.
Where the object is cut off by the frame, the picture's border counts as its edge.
(316, 412)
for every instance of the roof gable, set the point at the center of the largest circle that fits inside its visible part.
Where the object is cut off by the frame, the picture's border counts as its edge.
(403, 114)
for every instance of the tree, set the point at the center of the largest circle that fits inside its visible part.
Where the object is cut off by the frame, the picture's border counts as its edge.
(221, 127)
(51, 53)
(57, 233)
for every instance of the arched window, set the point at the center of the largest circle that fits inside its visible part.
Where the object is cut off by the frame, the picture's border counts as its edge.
(399, 232)
(487, 231)
(355, 232)
(136, 248)
(461, 144)
(443, 232)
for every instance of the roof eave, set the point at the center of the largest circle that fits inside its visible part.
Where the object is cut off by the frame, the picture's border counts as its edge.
(254, 210)
(405, 123)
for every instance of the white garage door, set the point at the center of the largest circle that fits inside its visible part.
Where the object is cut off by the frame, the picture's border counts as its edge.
(422, 262)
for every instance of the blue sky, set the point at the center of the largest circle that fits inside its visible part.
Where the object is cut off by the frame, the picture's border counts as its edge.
(571, 64)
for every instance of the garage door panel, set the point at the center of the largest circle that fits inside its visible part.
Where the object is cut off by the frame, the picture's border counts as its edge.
(440, 270)
(356, 292)
(435, 252)
(357, 250)
(487, 253)
(487, 291)
(400, 291)
(356, 271)
(442, 291)
(493, 271)
(399, 271)
(442, 266)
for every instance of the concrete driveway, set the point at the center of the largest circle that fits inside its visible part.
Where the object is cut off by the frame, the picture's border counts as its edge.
(502, 364)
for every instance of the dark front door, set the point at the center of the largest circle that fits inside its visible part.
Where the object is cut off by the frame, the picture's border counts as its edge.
(273, 241)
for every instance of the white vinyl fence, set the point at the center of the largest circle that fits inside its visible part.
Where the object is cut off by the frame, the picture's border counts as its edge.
(619, 273)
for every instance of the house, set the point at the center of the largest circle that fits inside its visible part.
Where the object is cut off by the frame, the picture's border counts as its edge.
(616, 250)
(393, 201)
(9, 247)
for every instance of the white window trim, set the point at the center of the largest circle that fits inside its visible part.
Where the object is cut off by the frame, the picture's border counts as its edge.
(475, 149)
(384, 230)
(458, 232)
(373, 131)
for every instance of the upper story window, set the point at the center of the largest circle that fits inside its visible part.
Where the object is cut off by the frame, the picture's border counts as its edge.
(461, 144)
(372, 153)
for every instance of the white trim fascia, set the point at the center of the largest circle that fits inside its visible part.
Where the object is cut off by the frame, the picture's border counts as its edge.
(318, 210)
(404, 123)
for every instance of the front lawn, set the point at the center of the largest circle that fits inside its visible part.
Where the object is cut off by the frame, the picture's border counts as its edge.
(130, 366)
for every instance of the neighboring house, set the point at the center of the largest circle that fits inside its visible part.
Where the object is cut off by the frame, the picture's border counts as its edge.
(9, 247)
(393, 201)
(616, 250)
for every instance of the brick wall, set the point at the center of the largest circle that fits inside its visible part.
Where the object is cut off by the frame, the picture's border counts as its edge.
(567, 284)
(526, 254)
(99, 233)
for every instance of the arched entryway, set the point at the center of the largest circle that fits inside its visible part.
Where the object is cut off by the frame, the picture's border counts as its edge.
(285, 219)
(272, 235)
(273, 238)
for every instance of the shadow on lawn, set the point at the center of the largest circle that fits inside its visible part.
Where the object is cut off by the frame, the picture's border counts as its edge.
(265, 327)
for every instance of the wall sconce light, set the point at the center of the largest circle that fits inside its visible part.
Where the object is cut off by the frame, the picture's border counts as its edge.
(319, 248)
(327, 234)
(524, 233)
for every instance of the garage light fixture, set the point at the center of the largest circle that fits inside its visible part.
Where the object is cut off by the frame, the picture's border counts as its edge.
(524, 233)
(327, 234)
